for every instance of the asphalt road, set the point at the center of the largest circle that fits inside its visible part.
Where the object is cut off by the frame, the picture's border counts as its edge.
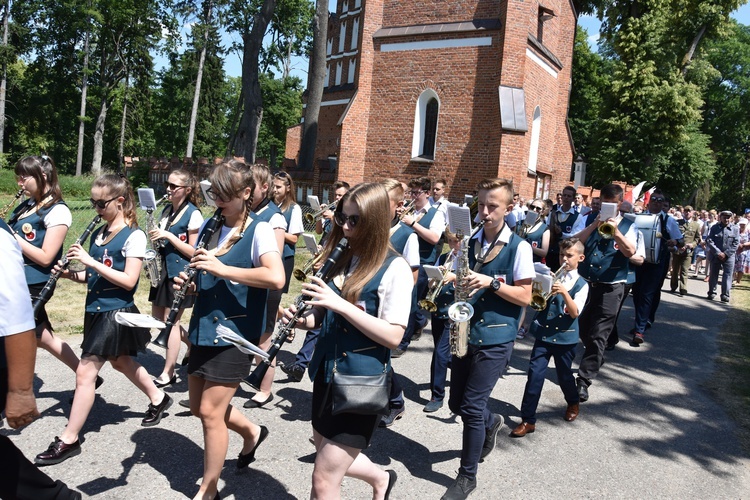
(649, 429)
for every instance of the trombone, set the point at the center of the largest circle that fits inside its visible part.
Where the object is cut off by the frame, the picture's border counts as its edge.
(311, 218)
(301, 274)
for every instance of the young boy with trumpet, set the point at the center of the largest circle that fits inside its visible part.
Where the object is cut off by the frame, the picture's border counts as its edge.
(556, 331)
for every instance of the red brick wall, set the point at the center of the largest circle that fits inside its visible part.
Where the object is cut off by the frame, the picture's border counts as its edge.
(410, 12)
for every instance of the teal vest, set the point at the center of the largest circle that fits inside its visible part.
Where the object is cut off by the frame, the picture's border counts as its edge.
(446, 296)
(289, 248)
(554, 324)
(175, 261)
(495, 320)
(34, 272)
(400, 236)
(266, 211)
(535, 239)
(565, 227)
(238, 307)
(604, 263)
(355, 353)
(103, 295)
(427, 252)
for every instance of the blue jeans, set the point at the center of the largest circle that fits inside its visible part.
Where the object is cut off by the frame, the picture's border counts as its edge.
(304, 355)
(441, 357)
(472, 379)
(540, 356)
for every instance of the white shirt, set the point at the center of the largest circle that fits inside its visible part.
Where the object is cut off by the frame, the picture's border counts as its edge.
(59, 215)
(295, 221)
(135, 245)
(568, 281)
(523, 266)
(437, 225)
(264, 241)
(394, 291)
(411, 250)
(560, 211)
(16, 314)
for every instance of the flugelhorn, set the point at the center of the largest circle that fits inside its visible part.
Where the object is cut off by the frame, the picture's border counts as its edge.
(179, 295)
(429, 302)
(278, 340)
(49, 287)
(7, 207)
(539, 297)
(311, 218)
(301, 273)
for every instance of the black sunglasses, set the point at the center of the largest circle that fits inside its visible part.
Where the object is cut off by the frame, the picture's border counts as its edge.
(101, 204)
(342, 219)
(172, 187)
(658, 200)
(536, 209)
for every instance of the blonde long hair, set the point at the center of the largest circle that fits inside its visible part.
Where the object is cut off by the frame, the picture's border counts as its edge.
(370, 241)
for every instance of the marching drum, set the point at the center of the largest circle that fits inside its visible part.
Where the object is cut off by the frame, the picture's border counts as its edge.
(650, 227)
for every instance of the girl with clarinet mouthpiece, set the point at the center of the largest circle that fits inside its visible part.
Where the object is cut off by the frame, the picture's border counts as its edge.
(40, 225)
(234, 272)
(178, 233)
(362, 312)
(113, 267)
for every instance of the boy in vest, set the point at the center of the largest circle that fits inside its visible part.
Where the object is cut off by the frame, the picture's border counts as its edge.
(498, 278)
(606, 269)
(556, 331)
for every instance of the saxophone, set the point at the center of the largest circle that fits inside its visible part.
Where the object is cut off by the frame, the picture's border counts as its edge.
(152, 258)
(7, 208)
(461, 311)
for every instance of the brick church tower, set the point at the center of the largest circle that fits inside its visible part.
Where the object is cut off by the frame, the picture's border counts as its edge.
(462, 89)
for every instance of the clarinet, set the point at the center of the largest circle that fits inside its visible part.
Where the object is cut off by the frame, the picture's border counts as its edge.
(255, 378)
(49, 287)
(179, 295)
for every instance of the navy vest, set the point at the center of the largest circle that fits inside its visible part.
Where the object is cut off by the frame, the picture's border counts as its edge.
(565, 227)
(495, 320)
(289, 248)
(355, 353)
(175, 261)
(427, 251)
(220, 301)
(535, 239)
(36, 230)
(103, 295)
(554, 324)
(400, 236)
(604, 263)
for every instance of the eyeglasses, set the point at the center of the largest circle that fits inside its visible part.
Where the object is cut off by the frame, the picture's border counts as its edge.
(172, 187)
(22, 178)
(342, 219)
(416, 193)
(658, 200)
(536, 209)
(101, 204)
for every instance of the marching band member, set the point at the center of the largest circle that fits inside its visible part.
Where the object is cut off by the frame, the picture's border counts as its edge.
(538, 237)
(363, 314)
(241, 263)
(285, 198)
(563, 223)
(113, 266)
(325, 223)
(606, 267)
(40, 226)
(178, 230)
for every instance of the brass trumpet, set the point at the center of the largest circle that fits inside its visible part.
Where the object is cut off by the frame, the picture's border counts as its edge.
(538, 297)
(408, 209)
(7, 207)
(311, 218)
(607, 230)
(428, 303)
(301, 274)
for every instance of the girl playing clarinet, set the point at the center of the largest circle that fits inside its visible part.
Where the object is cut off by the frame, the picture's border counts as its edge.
(113, 266)
(235, 271)
(362, 313)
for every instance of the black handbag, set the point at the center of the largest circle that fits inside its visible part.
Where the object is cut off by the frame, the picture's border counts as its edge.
(361, 394)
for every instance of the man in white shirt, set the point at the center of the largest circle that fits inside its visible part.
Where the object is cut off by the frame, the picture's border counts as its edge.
(563, 223)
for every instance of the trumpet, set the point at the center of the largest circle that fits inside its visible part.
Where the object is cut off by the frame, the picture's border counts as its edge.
(408, 209)
(311, 218)
(7, 207)
(301, 274)
(428, 303)
(607, 230)
(539, 297)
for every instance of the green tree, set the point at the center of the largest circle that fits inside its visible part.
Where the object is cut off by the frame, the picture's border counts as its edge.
(283, 110)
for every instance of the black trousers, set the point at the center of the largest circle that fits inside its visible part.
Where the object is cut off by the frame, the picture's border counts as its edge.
(596, 323)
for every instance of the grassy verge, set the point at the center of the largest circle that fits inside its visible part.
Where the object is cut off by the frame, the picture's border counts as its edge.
(730, 383)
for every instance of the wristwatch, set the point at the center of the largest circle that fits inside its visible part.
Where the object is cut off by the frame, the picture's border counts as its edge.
(495, 284)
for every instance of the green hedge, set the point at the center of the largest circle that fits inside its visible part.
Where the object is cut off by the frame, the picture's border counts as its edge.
(73, 188)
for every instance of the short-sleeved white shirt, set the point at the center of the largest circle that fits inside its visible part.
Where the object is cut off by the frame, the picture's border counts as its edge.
(523, 266)
(264, 241)
(437, 224)
(411, 250)
(135, 245)
(394, 291)
(295, 222)
(16, 314)
(59, 215)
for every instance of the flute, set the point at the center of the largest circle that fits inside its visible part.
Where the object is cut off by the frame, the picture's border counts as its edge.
(179, 295)
(49, 287)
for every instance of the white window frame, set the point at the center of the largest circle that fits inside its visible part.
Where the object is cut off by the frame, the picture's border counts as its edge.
(328, 76)
(352, 71)
(536, 127)
(420, 115)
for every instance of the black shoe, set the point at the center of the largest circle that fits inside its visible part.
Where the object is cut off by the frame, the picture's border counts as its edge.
(185, 403)
(711, 296)
(155, 413)
(724, 298)
(397, 353)
(490, 439)
(390, 419)
(251, 403)
(245, 460)
(295, 372)
(461, 488)
(185, 360)
(392, 478)
(171, 381)
(583, 390)
(417, 334)
(58, 452)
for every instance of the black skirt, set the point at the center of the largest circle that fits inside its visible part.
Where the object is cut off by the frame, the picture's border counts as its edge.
(288, 268)
(163, 294)
(347, 429)
(41, 317)
(225, 365)
(105, 337)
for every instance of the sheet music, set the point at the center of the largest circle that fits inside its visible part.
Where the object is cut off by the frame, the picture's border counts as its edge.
(608, 211)
(433, 273)
(147, 198)
(460, 220)
(468, 199)
(531, 218)
(239, 342)
(314, 202)
(310, 242)
(138, 320)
